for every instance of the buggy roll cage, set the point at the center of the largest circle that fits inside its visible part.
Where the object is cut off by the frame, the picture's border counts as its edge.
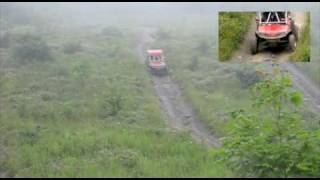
(275, 13)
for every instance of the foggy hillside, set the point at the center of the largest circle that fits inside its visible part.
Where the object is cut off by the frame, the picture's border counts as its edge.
(81, 95)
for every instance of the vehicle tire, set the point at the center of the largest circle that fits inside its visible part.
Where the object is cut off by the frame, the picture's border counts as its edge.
(292, 42)
(295, 31)
(254, 45)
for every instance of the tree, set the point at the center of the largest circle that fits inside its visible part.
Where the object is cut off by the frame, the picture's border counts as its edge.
(269, 141)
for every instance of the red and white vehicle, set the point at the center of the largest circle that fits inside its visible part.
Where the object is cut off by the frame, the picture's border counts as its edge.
(155, 61)
(273, 29)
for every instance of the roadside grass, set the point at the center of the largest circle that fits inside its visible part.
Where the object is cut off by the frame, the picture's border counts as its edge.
(302, 53)
(233, 26)
(92, 113)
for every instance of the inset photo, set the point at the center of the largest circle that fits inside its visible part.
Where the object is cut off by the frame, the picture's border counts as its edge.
(281, 36)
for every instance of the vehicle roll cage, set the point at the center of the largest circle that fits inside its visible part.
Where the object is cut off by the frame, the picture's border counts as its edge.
(268, 19)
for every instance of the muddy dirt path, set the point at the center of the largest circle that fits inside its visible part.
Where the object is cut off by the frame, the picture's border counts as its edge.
(281, 55)
(180, 114)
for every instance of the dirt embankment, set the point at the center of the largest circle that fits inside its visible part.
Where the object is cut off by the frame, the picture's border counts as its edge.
(180, 114)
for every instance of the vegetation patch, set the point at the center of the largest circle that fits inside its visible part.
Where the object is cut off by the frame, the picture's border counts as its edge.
(302, 53)
(31, 47)
(233, 27)
(270, 141)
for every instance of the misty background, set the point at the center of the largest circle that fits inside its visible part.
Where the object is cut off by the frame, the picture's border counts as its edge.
(62, 15)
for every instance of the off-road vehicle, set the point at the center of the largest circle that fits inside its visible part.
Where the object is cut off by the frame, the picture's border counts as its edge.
(274, 29)
(155, 62)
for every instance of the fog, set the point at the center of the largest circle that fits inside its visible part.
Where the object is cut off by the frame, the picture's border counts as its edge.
(139, 14)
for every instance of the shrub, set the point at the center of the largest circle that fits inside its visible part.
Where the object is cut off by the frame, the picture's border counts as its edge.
(247, 75)
(269, 141)
(30, 47)
(128, 158)
(72, 47)
(112, 105)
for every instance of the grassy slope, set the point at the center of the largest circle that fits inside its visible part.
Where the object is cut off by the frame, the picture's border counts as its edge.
(54, 122)
(232, 29)
(302, 52)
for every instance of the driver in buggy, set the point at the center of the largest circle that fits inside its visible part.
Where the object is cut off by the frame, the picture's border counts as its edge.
(278, 16)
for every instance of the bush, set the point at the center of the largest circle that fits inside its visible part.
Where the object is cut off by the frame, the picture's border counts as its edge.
(113, 102)
(247, 75)
(128, 158)
(30, 47)
(270, 141)
(72, 47)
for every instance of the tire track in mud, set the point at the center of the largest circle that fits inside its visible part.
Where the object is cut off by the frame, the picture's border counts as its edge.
(180, 114)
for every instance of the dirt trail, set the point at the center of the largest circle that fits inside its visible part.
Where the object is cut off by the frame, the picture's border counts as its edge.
(180, 114)
(281, 55)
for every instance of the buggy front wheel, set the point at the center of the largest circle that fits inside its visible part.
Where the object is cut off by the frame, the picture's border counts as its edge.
(292, 42)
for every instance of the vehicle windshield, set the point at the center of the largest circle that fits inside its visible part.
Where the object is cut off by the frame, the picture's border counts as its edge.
(273, 17)
(155, 58)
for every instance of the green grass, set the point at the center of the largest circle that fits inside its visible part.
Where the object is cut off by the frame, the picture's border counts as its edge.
(59, 118)
(302, 53)
(233, 27)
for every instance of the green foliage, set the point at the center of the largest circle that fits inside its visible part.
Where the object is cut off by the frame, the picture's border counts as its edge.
(112, 104)
(31, 47)
(302, 52)
(232, 29)
(270, 142)
(128, 158)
